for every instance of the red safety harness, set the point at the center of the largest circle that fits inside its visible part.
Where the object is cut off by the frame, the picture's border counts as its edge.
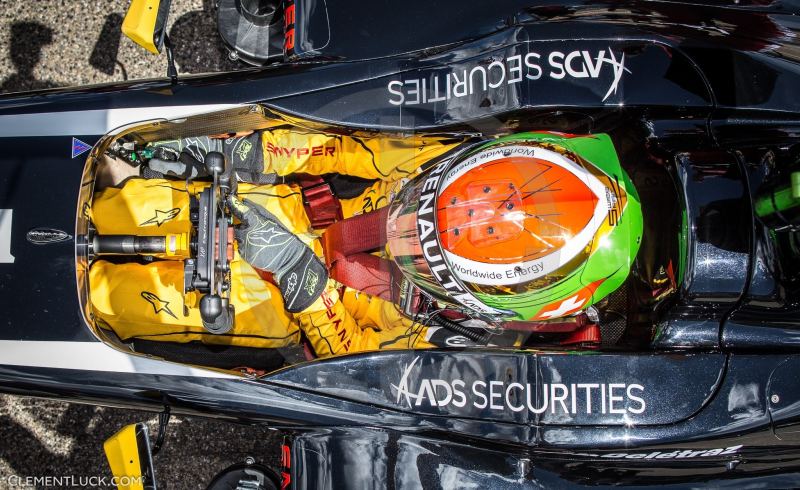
(322, 206)
(348, 243)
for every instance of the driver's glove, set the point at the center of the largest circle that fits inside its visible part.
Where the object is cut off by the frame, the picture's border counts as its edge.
(186, 158)
(181, 158)
(266, 244)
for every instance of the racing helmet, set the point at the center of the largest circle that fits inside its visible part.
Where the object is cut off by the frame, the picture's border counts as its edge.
(533, 226)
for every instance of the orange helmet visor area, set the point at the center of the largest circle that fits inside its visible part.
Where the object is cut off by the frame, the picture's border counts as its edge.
(513, 209)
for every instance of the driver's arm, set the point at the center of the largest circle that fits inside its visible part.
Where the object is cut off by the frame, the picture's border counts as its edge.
(333, 326)
(284, 151)
(356, 323)
(382, 157)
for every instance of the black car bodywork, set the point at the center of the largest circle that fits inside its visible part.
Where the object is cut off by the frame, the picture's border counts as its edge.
(711, 89)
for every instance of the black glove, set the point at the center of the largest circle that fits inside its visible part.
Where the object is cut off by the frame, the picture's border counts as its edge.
(246, 156)
(190, 161)
(266, 244)
(243, 152)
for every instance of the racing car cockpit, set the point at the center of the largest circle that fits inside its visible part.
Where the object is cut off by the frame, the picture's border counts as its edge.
(160, 272)
(553, 244)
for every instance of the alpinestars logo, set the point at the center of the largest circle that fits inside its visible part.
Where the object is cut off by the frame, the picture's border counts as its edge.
(312, 279)
(243, 149)
(548, 398)
(158, 304)
(489, 76)
(162, 217)
(265, 235)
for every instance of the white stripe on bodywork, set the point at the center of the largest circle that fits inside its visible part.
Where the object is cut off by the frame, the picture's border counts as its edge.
(98, 121)
(92, 356)
(6, 216)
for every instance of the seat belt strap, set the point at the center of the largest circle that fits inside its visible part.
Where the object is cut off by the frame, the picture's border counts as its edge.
(321, 204)
(360, 233)
(347, 244)
(367, 273)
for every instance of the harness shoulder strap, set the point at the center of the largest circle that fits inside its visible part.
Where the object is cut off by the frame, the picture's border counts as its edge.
(321, 204)
(347, 244)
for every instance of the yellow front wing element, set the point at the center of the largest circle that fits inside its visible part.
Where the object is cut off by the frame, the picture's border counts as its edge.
(140, 23)
(122, 453)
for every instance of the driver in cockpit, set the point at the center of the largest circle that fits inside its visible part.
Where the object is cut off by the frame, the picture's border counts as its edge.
(538, 227)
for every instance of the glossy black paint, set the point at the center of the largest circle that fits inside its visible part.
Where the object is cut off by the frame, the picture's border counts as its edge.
(520, 388)
(646, 81)
(39, 181)
(733, 406)
(357, 30)
(711, 91)
(385, 458)
(720, 219)
(768, 315)
(720, 223)
(742, 416)
(662, 78)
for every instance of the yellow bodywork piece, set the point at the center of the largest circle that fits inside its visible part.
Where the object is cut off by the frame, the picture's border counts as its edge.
(122, 453)
(140, 23)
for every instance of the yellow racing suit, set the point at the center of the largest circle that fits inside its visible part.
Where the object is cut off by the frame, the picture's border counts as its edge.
(147, 301)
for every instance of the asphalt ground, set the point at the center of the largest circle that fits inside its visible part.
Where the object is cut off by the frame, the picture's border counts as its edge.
(46, 44)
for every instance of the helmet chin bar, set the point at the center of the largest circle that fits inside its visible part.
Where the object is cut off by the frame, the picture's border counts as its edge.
(206, 251)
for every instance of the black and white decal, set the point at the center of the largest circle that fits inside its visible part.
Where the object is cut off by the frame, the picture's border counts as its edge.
(46, 236)
(498, 74)
(676, 454)
(584, 396)
(92, 356)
